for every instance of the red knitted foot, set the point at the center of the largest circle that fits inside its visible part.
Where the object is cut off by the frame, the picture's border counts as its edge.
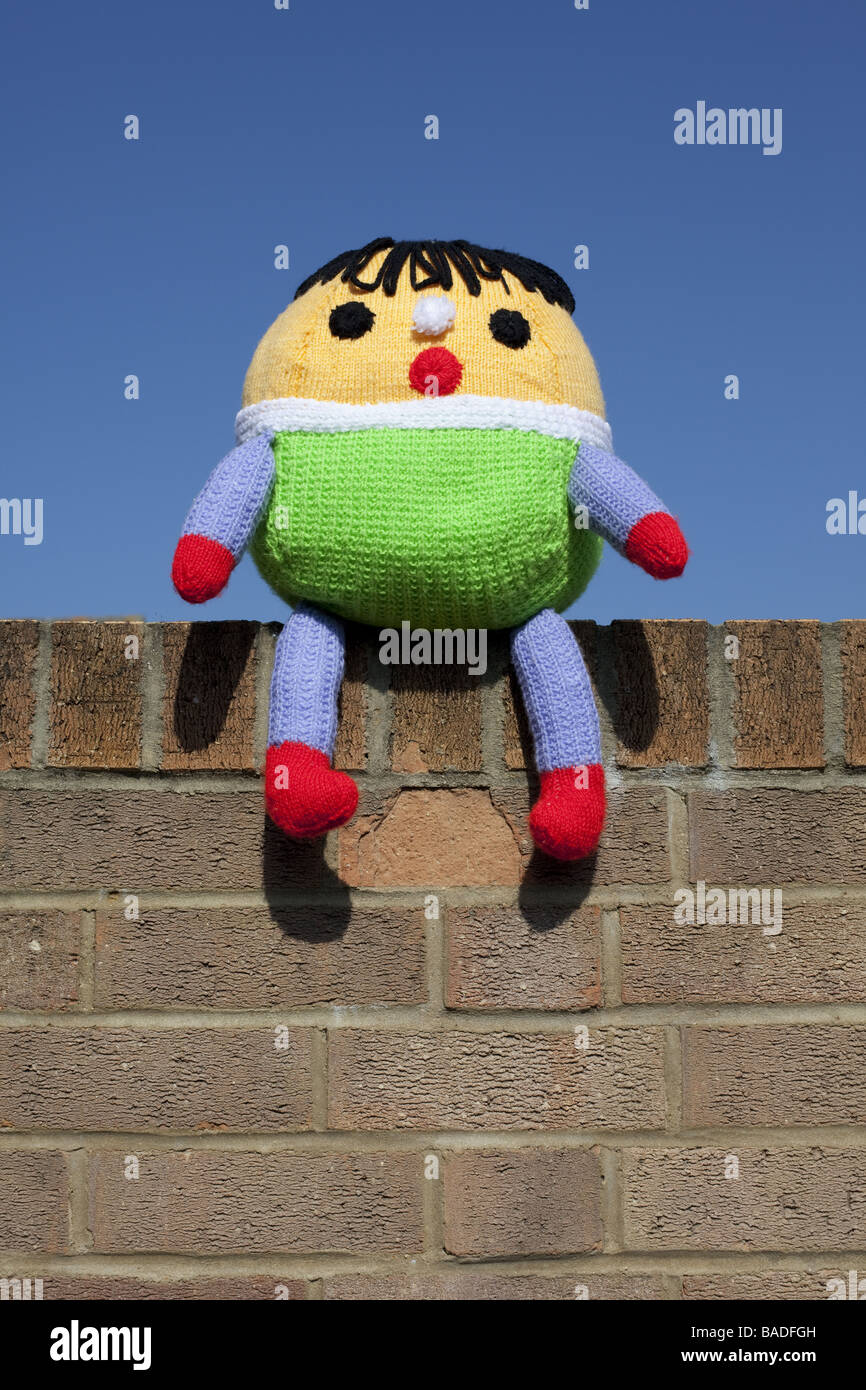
(567, 818)
(201, 568)
(304, 795)
(657, 544)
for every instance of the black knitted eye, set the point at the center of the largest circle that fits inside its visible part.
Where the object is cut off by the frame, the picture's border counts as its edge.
(510, 328)
(351, 320)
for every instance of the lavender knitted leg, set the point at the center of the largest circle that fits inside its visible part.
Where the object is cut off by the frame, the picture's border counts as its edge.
(230, 504)
(308, 670)
(612, 493)
(556, 692)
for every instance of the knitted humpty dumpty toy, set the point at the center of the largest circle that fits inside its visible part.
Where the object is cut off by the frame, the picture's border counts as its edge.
(423, 438)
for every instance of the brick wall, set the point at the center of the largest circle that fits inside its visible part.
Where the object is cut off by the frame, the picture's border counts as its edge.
(425, 1062)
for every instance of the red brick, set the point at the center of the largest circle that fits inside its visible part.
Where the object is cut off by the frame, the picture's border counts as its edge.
(19, 645)
(633, 847)
(134, 840)
(429, 837)
(819, 956)
(787, 1285)
(208, 1202)
(95, 719)
(531, 957)
(779, 706)
(473, 837)
(437, 719)
(803, 1074)
(854, 691)
(350, 751)
(784, 1199)
(259, 958)
(524, 1202)
(209, 701)
(135, 1079)
(39, 960)
(34, 1204)
(775, 836)
(663, 713)
(467, 1081)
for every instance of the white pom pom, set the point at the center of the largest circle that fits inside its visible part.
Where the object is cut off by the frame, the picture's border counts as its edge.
(433, 313)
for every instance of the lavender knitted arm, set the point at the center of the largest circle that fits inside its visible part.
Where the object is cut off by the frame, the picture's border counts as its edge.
(620, 507)
(222, 519)
(230, 504)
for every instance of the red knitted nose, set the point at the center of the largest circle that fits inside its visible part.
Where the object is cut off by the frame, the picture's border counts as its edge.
(435, 372)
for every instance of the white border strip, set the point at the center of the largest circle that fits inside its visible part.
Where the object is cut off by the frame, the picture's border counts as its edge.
(440, 412)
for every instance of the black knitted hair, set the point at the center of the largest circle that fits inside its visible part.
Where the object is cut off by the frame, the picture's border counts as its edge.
(431, 262)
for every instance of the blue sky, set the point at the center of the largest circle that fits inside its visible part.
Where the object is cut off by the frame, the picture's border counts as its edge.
(306, 127)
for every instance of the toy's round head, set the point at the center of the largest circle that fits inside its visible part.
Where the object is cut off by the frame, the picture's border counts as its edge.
(358, 327)
(427, 401)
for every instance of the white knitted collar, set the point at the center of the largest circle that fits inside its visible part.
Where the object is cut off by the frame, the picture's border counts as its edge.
(439, 412)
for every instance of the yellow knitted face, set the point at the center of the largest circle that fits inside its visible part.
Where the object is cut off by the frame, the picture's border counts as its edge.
(299, 355)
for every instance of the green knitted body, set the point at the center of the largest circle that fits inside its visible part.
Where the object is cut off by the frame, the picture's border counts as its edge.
(441, 527)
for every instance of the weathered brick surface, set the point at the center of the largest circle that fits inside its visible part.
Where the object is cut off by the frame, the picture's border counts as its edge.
(175, 1079)
(437, 719)
(19, 643)
(425, 838)
(139, 839)
(783, 1199)
(350, 751)
(634, 846)
(778, 711)
(794, 1075)
(96, 679)
(777, 835)
(208, 714)
(466, 1081)
(524, 1202)
(819, 955)
(853, 650)
(256, 958)
(662, 692)
(235, 1288)
(33, 1203)
(221, 1203)
(310, 1062)
(482, 1287)
(39, 960)
(534, 957)
(814, 1285)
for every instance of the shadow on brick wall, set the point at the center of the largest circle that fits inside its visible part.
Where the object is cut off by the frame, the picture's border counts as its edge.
(214, 660)
(287, 866)
(632, 696)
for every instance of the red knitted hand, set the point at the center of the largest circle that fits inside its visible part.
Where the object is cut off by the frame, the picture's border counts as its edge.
(657, 544)
(201, 568)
